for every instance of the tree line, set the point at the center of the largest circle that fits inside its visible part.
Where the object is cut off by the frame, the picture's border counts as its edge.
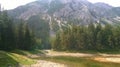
(15, 36)
(91, 37)
(41, 30)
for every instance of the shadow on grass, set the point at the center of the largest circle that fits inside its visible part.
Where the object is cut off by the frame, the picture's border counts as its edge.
(79, 62)
(96, 51)
(6, 60)
(30, 53)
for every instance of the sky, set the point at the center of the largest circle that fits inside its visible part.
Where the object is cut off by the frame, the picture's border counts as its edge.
(11, 4)
(115, 3)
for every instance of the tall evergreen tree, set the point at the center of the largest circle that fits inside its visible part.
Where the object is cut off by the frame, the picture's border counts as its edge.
(7, 32)
(9, 39)
(20, 36)
(29, 39)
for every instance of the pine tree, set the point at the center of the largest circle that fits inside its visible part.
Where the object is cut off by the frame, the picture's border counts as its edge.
(91, 33)
(57, 43)
(20, 37)
(7, 32)
(98, 36)
(29, 39)
(116, 37)
(107, 32)
(1, 31)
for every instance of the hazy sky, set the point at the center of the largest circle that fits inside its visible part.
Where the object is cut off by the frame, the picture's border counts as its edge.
(115, 3)
(10, 4)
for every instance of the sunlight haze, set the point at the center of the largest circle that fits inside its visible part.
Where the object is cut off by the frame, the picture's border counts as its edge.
(115, 3)
(11, 4)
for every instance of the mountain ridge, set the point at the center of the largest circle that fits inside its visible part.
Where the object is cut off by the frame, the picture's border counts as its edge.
(61, 13)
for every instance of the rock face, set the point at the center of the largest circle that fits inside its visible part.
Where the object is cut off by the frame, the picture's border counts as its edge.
(60, 13)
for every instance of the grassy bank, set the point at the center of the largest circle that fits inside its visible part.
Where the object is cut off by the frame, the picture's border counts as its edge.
(94, 51)
(79, 62)
(6, 60)
(13, 59)
(20, 57)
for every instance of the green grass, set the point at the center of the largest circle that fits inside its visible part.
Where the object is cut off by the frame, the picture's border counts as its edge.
(96, 51)
(25, 53)
(20, 56)
(80, 62)
(6, 60)
(22, 59)
(9, 58)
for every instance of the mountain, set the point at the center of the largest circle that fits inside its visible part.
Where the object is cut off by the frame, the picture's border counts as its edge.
(62, 13)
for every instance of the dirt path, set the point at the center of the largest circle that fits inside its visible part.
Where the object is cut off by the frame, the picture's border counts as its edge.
(98, 57)
(54, 53)
(115, 58)
(42, 63)
(107, 59)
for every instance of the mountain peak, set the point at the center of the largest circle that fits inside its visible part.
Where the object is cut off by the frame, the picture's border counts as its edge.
(63, 1)
(102, 4)
(77, 11)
